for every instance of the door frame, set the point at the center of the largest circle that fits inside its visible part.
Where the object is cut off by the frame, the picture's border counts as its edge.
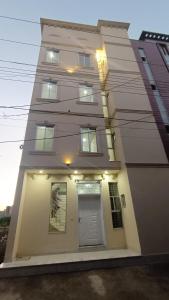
(101, 215)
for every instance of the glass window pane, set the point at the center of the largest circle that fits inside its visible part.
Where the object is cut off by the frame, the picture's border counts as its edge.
(48, 143)
(88, 140)
(105, 111)
(149, 72)
(84, 59)
(93, 144)
(109, 140)
(117, 203)
(112, 203)
(45, 91)
(81, 59)
(52, 56)
(113, 189)
(104, 102)
(141, 52)
(111, 154)
(40, 134)
(49, 90)
(162, 109)
(85, 139)
(88, 188)
(52, 91)
(86, 93)
(117, 219)
(87, 60)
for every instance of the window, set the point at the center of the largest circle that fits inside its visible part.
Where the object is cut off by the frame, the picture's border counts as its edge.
(88, 187)
(49, 90)
(110, 144)
(86, 93)
(52, 56)
(146, 65)
(156, 92)
(167, 128)
(142, 54)
(88, 140)
(104, 104)
(115, 205)
(84, 59)
(165, 52)
(44, 138)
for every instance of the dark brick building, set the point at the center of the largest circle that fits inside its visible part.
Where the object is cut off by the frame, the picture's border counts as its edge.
(152, 54)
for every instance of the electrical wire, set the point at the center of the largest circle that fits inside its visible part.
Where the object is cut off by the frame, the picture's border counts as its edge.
(70, 99)
(38, 23)
(70, 135)
(138, 85)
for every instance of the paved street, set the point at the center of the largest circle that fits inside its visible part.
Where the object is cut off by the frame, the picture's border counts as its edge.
(132, 283)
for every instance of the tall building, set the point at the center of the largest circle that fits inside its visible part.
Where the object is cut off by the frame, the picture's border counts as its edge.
(94, 171)
(152, 53)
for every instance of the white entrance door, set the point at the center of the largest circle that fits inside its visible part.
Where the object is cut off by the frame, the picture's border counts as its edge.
(90, 229)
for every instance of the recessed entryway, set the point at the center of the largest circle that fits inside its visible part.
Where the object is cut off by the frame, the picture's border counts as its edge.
(89, 214)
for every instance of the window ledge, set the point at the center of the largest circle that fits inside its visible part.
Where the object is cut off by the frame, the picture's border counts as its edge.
(47, 100)
(86, 102)
(37, 152)
(49, 63)
(86, 67)
(83, 153)
(118, 228)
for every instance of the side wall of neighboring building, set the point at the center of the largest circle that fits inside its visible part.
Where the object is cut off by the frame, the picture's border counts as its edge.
(161, 77)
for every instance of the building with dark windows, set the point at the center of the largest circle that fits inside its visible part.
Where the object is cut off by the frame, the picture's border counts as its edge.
(152, 53)
(94, 172)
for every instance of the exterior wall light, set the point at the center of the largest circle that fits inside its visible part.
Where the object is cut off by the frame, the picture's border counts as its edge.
(67, 162)
(41, 172)
(70, 70)
(75, 172)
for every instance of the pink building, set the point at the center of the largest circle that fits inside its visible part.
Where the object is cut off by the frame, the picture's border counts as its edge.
(94, 171)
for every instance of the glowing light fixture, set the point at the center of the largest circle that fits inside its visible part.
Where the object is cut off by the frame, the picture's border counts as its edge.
(41, 172)
(67, 162)
(75, 172)
(71, 70)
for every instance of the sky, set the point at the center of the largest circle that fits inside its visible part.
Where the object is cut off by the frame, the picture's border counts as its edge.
(142, 15)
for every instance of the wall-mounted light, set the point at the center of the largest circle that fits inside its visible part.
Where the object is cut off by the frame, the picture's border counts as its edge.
(75, 172)
(41, 172)
(67, 162)
(70, 71)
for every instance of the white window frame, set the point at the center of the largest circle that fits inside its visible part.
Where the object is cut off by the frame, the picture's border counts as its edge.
(41, 143)
(84, 59)
(88, 97)
(44, 91)
(52, 61)
(88, 131)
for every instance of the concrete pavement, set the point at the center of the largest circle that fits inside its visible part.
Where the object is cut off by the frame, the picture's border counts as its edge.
(149, 282)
